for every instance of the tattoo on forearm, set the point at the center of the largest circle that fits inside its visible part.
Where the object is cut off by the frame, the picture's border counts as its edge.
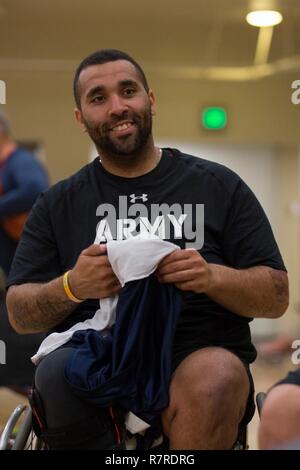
(54, 311)
(42, 314)
(40, 311)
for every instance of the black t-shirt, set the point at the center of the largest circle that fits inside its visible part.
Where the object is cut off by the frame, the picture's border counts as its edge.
(187, 200)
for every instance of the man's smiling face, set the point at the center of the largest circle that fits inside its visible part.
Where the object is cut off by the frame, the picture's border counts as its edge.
(116, 110)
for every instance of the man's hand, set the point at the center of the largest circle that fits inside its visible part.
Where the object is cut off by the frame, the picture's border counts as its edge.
(259, 291)
(92, 276)
(38, 307)
(187, 270)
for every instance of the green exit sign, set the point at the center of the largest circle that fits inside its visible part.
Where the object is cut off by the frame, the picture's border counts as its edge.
(214, 118)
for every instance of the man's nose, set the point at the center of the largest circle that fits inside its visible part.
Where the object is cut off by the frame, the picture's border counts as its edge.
(117, 105)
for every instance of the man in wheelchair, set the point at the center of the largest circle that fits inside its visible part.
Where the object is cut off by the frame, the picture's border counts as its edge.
(223, 269)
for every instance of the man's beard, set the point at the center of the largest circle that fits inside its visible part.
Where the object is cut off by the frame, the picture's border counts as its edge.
(129, 145)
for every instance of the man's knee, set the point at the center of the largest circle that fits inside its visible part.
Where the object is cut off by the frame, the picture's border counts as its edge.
(212, 374)
(208, 397)
(212, 378)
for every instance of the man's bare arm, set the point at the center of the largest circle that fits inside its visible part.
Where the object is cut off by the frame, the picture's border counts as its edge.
(35, 308)
(254, 292)
(260, 292)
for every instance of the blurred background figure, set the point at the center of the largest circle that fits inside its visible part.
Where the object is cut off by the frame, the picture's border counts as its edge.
(22, 178)
(280, 417)
(275, 349)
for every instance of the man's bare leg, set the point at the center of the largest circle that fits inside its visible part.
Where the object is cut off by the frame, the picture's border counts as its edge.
(208, 398)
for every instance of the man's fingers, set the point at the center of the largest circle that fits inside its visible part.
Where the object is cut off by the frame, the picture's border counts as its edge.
(180, 259)
(94, 250)
(186, 286)
(181, 265)
(177, 256)
(169, 259)
(181, 276)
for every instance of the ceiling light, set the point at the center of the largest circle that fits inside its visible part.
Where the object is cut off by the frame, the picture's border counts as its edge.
(263, 18)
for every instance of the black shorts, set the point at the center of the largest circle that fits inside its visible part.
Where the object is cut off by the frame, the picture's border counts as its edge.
(293, 378)
(250, 409)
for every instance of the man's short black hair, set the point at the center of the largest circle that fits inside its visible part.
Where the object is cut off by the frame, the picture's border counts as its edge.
(102, 57)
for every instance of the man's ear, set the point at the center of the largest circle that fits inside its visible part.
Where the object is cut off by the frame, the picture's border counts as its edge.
(79, 119)
(152, 102)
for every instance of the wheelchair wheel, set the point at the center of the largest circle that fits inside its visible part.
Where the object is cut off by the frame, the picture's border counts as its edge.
(7, 436)
(24, 439)
(23, 435)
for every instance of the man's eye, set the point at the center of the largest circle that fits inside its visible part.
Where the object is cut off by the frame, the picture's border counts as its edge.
(129, 91)
(98, 99)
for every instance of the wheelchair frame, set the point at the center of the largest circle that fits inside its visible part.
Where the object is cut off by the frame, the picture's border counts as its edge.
(25, 438)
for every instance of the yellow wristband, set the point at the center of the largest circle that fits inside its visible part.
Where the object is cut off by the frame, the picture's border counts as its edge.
(68, 290)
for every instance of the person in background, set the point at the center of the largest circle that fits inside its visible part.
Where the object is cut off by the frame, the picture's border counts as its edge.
(280, 416)
(22, 178)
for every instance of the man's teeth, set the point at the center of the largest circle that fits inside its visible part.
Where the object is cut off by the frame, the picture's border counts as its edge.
(122, 127)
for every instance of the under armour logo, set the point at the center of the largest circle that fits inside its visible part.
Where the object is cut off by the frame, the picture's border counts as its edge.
(134, 198)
